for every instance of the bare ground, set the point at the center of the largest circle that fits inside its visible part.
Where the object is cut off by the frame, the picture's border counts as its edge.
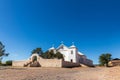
(13, 73)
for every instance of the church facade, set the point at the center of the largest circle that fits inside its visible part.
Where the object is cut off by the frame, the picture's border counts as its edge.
(72, 54)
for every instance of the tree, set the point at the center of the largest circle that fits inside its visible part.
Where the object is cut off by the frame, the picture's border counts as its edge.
(9, 63)
(44, 55)
(38, 51)
(59, 55)
(104, 59)
(2, 51)
(51, 55)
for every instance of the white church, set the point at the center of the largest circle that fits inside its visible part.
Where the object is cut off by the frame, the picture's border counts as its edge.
(72, 58)
(72, 54)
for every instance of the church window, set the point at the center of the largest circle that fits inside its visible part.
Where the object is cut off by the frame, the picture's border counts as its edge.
(61, 47)
(72, 52)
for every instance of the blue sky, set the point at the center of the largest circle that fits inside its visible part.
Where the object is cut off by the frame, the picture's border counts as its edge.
(93, 25)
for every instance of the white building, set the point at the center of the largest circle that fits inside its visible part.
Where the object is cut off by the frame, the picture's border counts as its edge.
(72, 58)
(71, 54)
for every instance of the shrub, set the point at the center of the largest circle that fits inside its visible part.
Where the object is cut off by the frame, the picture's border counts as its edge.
(51, 55)
(59, 55)
(104, 59)
(9, 63)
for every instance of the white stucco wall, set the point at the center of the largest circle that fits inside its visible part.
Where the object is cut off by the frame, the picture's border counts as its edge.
(72, 56)
(65, 54)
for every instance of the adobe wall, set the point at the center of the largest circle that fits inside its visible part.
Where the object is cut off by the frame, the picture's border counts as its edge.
(56, 63)
(45, 62)
(19, 63)
(50, 62)
(69, 64)
(114, 63)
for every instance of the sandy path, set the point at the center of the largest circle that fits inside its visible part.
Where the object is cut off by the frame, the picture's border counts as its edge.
(60, 73)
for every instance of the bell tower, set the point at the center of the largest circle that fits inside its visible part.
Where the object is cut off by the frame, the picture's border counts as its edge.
(73, 53)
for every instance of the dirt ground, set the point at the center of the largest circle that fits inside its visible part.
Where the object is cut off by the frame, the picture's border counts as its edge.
(13, 73)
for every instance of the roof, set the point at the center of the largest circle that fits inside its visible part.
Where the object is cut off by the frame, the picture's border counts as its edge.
(62, 46)
(51, 48)
(115, 61)
(80, 53)
(73, 46)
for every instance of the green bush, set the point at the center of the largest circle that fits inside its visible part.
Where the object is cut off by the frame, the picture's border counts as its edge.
(104, 59)
(59, 55)
(51, 55)
(9, 63)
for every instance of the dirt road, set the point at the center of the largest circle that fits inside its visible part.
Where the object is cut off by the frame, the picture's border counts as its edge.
(12, 73)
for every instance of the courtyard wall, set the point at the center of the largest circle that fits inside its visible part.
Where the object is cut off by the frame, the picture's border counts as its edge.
(19, 63)
(47, 63)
